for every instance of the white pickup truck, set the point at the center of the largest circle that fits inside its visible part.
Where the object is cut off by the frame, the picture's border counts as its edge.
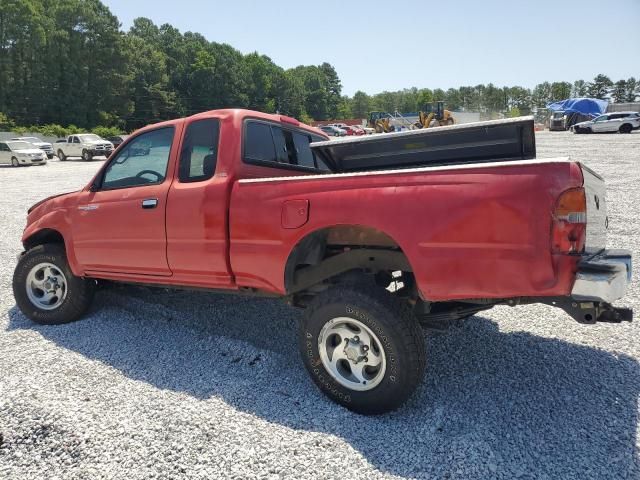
(84, 145)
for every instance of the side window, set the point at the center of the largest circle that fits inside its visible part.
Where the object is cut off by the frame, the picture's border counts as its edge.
(271, 143)
(285, 147)
(3, 147)
(303, 150)
(199, 151)
(143, 161)
(75, 139)
(258, 143)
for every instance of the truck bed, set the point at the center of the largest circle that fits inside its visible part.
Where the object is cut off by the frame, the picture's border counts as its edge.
(490, 141)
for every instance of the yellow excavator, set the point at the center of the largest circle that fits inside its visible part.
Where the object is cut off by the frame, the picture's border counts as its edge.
(434, 115)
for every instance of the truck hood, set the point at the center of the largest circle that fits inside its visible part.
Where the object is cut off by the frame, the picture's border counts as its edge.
(47, 204)
(583, 124)
(41, 144)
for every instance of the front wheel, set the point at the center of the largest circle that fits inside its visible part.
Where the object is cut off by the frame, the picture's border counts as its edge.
(363, 348)
(45, 288)
(61, 156)
(14, 162)
(87, 156)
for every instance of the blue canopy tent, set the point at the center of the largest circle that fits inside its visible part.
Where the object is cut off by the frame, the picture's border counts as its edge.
(579, 109)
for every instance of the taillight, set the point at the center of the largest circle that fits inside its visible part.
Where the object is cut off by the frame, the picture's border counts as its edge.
(569, 231)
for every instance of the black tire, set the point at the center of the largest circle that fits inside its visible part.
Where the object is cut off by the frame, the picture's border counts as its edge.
(577, 130)
(61, 156)
(14, 162)
(626, 128)
(87, 156)
(395, 326)
(79, 293)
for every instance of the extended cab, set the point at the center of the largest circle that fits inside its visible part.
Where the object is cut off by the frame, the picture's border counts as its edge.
(370, 235)
(83, 145)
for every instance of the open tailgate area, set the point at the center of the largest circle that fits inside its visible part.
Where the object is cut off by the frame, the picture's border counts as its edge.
(495, 140)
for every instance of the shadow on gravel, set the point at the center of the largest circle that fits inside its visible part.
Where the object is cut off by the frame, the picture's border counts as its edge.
(512, 405)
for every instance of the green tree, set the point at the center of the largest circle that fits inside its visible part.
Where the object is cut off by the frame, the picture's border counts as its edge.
(360, 105)
(619, 93)
(632, 90)
(560, 91)
(579, 89)
(600, 86)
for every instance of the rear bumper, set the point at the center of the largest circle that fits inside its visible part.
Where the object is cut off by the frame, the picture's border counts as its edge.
(603, 277)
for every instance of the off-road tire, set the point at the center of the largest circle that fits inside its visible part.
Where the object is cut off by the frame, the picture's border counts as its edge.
(395, 326)
(87, 156)
(14, 162)
(79, 295)
(61, 156)
(626, 128)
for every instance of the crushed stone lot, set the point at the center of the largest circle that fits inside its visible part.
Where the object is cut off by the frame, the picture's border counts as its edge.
(162, 384)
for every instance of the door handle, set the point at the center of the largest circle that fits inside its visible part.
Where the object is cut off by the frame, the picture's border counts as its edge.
(150, 203)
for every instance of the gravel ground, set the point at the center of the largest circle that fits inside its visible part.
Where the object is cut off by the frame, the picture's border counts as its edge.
(192, 385)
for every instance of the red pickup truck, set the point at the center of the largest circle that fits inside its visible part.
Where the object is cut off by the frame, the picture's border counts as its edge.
(370, 235)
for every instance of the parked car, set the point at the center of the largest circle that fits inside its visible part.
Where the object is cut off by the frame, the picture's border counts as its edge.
(329, 226)
(333, 131)
(358, 129)
(17, 153)
(84, 145)
(117, 140)
(352, 130)
(623, 122)
(44, 146)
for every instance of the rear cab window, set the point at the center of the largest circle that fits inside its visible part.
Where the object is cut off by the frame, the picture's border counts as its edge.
(274, 145)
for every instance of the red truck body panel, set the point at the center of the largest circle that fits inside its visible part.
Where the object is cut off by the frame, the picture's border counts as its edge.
(475, 231)
(468, 232)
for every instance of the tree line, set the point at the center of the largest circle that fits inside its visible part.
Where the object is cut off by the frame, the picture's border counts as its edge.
(490, 98)
(66, 62)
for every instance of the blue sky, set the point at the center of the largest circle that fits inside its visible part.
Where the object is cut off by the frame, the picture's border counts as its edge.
(376, 45)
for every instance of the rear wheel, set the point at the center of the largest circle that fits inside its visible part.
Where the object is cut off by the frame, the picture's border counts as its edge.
(61, 156)
(626, 128)
(14, 162)
(45, 288)
(87, 156)
(363, 348)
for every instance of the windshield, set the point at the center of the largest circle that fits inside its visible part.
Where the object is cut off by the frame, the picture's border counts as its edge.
(20, 146)
(90, 137)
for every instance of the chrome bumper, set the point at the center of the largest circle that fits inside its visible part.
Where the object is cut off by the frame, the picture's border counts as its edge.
(603, 277)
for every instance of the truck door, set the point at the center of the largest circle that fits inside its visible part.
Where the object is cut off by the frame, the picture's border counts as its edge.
(120, 227)
(197, 239)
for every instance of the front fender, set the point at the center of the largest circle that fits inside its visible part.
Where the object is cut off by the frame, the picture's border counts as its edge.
(56, 221)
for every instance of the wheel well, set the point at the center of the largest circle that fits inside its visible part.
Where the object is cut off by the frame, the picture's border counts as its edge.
(43, 236)
(338, 251)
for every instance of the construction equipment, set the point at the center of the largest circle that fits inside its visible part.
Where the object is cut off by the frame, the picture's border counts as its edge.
(380, 121)
(434, 115)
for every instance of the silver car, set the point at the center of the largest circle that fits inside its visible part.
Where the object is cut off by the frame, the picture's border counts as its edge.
(333, 131)
(17, 153)
(623, 122)
(44, 146)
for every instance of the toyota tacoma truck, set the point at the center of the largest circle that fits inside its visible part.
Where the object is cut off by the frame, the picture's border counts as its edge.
(370, 235)
(84, 145)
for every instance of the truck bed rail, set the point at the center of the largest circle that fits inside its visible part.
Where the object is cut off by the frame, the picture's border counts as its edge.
(494, 140)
